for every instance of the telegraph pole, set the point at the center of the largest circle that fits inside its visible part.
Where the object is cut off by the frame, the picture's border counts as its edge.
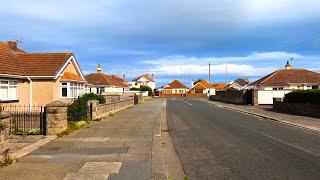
(209, 78)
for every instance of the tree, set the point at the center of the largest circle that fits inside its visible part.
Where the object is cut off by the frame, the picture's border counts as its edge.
(146, 88)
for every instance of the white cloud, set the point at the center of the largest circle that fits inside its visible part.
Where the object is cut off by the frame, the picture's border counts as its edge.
(251, 65)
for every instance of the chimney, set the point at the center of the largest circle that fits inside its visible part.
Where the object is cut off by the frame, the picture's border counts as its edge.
(288, 65)
(147, 76)
(192, 83)
(13, 45)
(124, 77)
(99, 69)
(153, 77)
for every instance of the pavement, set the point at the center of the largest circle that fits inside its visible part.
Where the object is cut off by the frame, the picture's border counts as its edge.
(127, 145)
(213, 142)
(267, 112)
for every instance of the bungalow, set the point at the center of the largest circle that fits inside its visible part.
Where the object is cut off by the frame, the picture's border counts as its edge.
(202, 87)
(282, 81)
(144, 80)
(38, 78)
(106, 84)
(238, 84)
(174, 88)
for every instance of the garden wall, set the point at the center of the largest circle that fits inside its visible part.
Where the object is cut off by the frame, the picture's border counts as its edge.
(305, 109)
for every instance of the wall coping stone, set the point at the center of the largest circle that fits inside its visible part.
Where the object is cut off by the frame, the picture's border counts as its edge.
(57, 104)
(4, 115)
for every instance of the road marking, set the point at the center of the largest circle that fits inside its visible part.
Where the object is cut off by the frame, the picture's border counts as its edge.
(95, 170)
(186, 102)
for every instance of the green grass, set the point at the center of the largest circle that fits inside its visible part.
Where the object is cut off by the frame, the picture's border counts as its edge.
(9, 160)
(73, 126)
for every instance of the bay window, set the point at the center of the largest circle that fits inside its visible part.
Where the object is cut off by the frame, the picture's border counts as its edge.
(72, 89)
(8, 90)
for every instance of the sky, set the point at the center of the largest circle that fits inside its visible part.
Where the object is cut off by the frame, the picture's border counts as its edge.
(173, 39)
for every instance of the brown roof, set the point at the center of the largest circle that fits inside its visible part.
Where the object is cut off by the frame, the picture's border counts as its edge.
(42, 64)
(175, 84)
(71, 76)
(219, 86)
(285, 77)
(137, 78)
(9, 62)
(101, 79)
(17, 62)
(241, 82)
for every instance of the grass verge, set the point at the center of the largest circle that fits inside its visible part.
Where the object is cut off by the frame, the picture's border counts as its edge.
(73, 126)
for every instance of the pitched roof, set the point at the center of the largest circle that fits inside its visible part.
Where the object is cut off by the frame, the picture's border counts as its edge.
(241, 82)
(71, 76)
(18, 62)
(42, 64)
(101, 79)
(285, 77)
(9, 62)
(175, 84)
(137, 78)
(219, 86)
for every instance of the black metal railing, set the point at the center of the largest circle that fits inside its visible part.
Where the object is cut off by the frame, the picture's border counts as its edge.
(27, 120)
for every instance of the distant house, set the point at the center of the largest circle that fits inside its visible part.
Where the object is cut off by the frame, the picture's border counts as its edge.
(282, 81)
(38, 78)
(144, 80)
(202, 87)
(239, 84)
(174, 88)
(106, 84)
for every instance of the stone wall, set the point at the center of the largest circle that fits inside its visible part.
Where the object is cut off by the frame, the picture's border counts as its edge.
(236, 97)
(312, 110)
(4, 132)
(56, 114)
(102, 110)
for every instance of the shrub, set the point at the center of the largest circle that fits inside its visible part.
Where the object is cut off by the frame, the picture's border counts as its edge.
(311, 96)
(92, 96)
(78, 109)
(135, 89)
(146, 88)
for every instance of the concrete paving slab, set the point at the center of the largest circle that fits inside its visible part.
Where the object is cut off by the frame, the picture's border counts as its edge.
(100, 167)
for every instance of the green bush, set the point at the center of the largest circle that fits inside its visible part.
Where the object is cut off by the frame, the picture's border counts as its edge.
(311, 96)
(92, 96)
(146, 88)
(78, 109)
(135, 89)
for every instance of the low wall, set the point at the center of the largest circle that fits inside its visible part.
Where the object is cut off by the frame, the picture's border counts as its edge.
(196, 95)
(57, 115)
(102, 110)
(312, 110)
(4, 143)
(172, 95)
(236, 97)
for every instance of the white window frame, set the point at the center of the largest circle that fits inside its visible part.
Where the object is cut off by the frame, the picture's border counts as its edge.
(8, 85)
(77, 88)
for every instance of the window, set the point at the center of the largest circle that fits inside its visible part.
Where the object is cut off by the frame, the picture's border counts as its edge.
(315, 87)
(276, 89)
(72, 89)
(101, 90)
(199, 91)
(8, 90)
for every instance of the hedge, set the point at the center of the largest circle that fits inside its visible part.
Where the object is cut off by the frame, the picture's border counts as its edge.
(78, 109)
(311, 96)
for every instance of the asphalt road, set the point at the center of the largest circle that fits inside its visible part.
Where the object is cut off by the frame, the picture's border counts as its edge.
(215, 143)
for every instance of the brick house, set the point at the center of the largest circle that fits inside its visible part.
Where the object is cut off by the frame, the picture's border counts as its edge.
(203, 88)
(174, 88)
(144, 80)
(283, 81)
(239, 84)
(106, 84)
(38, 78)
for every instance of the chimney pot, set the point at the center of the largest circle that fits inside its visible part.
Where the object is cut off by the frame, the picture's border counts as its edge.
(288, 65)
(13, 45)
(147, 75)
(124, 77)
(99, 69)
(153, 77)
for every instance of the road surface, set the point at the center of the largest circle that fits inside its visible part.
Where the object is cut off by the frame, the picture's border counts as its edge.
(215, 143)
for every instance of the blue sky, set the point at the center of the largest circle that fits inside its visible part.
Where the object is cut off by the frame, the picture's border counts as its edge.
(173, 39)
